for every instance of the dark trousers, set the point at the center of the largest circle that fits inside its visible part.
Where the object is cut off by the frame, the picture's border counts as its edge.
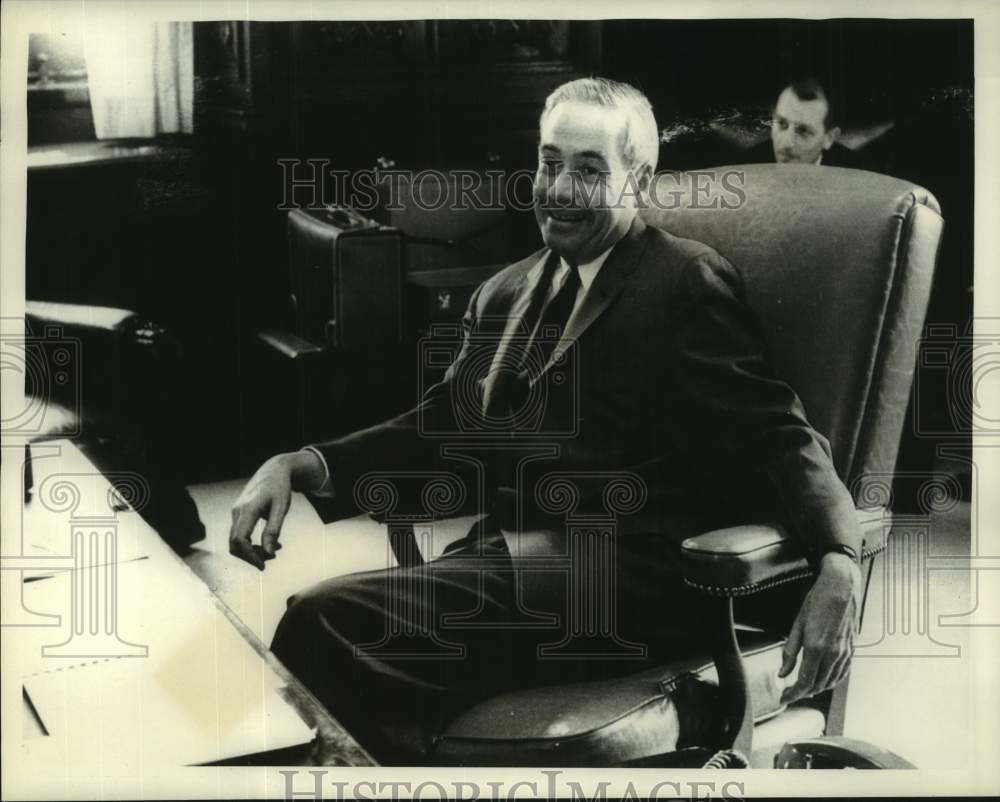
(396, 654)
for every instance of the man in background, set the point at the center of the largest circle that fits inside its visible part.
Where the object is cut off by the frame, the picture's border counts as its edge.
(805, 128)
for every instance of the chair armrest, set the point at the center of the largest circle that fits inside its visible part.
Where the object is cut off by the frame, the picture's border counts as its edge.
(741, 560)
(290, 345)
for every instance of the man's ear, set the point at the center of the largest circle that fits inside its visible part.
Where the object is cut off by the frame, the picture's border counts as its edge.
(643, 178)
(831, 136)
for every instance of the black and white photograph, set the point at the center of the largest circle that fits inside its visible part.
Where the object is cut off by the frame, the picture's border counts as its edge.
(471, 400)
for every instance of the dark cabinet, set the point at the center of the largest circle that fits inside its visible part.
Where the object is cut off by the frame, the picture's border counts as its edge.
(423, 93)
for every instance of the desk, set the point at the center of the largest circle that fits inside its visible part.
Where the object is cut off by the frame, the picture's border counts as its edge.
(141, 666)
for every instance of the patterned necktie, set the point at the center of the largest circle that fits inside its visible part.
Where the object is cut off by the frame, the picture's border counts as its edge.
(556, 315)
(528, 360)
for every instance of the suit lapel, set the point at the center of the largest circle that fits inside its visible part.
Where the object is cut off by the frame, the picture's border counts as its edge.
(610, 281)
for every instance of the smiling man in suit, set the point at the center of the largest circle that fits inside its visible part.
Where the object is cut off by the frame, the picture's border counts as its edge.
(650, 366)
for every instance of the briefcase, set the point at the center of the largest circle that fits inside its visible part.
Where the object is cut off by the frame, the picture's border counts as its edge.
(347, 279)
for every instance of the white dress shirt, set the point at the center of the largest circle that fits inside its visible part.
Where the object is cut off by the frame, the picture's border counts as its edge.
(588, 272)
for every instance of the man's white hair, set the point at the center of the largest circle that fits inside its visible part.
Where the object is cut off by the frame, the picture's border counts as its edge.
(641, 140)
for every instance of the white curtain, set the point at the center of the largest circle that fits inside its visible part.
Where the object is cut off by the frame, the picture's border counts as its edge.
(140, 75)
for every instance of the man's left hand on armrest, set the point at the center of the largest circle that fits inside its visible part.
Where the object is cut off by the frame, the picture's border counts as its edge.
(824, 629)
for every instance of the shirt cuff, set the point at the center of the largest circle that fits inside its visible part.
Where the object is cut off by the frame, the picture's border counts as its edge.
(326, 489)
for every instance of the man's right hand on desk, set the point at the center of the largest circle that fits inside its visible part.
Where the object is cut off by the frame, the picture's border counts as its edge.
(267, 496)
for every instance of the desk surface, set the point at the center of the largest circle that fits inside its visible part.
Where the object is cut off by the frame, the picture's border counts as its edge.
(198, 687)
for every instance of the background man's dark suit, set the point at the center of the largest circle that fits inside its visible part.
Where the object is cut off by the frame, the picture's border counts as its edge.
(672, 383)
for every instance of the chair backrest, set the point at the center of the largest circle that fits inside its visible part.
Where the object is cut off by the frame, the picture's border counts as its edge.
(838, 266)
(449, 219)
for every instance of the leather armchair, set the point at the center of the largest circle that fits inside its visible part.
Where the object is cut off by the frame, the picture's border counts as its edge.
(838, 266)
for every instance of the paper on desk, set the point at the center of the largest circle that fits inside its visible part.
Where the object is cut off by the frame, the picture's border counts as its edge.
(51, 519)
(144, 715)
(202, 693)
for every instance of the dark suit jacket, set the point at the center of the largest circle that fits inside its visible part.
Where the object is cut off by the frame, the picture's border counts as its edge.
(836, 156)
(668, 379)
